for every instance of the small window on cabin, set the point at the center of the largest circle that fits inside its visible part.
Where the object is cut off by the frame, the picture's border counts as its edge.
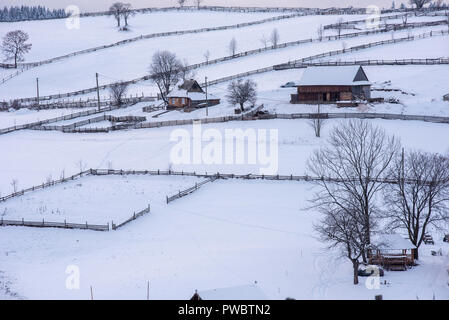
(183, 101)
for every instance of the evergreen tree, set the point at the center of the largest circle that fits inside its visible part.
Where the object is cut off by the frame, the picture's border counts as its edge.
(16, 13)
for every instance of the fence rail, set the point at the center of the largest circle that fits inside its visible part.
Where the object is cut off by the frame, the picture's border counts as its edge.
(71, 116)
(209, 177)
(133, 217)
(48, 224)
(190, 190)
(291, 64)
(253, 115)
(29, 65)
(232, 57)
(375, 62)
(362, 47)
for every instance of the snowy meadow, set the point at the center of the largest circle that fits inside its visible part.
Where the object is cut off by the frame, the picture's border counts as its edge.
(228, 232)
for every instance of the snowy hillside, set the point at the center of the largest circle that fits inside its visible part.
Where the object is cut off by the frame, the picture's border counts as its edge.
(228, 232)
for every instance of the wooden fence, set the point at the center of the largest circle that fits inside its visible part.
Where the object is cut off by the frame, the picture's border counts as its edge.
(133, 217)
(209, 177)
(218, 175)
(250, 116)
(48, 224)
(290, 64)
(220, 60)
(354, 115)
(365, 46)
(190, 190)
(29, 65)
(378, 62)
(128, 121)
(57, 119)
(71, 116)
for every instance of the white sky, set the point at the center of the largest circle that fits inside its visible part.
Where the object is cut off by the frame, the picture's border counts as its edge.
(101, 5)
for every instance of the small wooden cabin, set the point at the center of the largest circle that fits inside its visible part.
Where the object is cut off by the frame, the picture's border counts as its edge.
(446, 97)
(190, 95)
(339, 84)
(392, 252)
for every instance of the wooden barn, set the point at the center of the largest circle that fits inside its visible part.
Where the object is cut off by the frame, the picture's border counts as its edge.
(190, 95)
(392, 252)
(339, 84)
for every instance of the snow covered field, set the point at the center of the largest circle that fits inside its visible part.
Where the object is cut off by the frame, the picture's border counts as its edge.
(229, 232)
(97, 200)
(102, 30)
(24, 116)
(115, 64)
(33, 155)
(203, 241)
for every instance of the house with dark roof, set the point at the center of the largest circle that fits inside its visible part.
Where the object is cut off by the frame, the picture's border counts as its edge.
(332, 85)
(189, 96)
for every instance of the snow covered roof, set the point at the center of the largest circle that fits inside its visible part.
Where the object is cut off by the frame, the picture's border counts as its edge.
(392, 242)
(334, 76)
(245, 292)
(194, 96)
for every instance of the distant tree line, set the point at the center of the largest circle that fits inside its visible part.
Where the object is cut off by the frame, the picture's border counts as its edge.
(22, 13)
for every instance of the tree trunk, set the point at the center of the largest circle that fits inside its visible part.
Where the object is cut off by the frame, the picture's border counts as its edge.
(355, 265)
(15, 61)
(364, 259)
(415, 254)
(241, 107)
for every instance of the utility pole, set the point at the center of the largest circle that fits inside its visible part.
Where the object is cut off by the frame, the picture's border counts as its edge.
(207, 102)
(37, 90)
(98, 92)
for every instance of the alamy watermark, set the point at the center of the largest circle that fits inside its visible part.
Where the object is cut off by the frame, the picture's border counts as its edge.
(236, 147)
(373, 281)
(73, 19)
(373, 20)
(72, 281)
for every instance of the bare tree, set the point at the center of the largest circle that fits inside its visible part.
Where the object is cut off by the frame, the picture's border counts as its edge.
(339, 26)
(357, 157)
(207, 56)
(127, 12)
(240, 92)
(343, 228)
(420, 196)
(233, 47)
(14, 46)
(404, 19)
(166, 70)
(116, 10)
(274, 38)
(320, 32)
(118, 92)
(198, 3)
(438, 4)
(317, 123)
(181, 3)
(15, 185)
(419, 3)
